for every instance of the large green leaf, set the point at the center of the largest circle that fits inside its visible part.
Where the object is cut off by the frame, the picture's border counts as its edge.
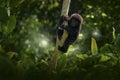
(10, 25)
(94, 48)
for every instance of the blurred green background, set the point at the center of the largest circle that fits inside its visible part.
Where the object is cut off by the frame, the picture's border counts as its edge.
(28, 34)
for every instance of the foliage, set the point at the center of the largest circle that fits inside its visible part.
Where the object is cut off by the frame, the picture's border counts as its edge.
(27, 40)
(94, 48)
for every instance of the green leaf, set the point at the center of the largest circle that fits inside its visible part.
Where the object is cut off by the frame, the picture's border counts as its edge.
(113, 33)
(104, 58)
(94, 48)
(3, 15)
(82, 56)
(11, 54)
(106, 48)
(10, 25)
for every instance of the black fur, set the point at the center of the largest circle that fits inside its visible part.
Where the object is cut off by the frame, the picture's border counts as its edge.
(73, 29)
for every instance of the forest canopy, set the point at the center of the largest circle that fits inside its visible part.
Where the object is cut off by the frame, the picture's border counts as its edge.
(28, 36)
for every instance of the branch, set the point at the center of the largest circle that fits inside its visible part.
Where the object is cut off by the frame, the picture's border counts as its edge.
(65, 9)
